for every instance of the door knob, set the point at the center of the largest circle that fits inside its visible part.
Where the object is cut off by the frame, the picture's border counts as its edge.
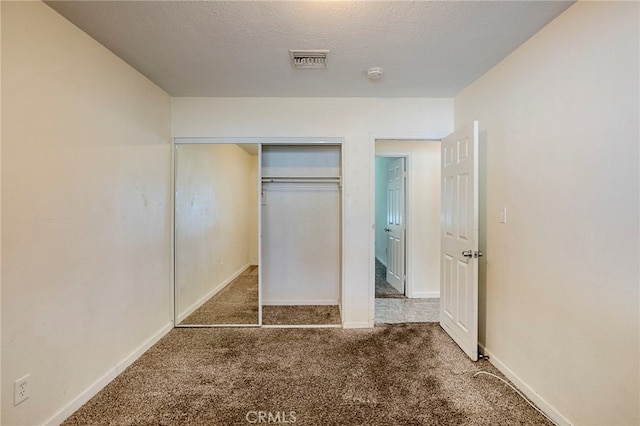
(469, 253)
(387, 230)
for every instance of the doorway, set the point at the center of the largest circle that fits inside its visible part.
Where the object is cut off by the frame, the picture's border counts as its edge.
(407, 230)
(390, 245)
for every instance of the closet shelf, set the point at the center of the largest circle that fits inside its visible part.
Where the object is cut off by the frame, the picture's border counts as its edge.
(301, 179)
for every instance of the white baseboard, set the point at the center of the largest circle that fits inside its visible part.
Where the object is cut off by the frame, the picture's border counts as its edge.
(303, 326)
(362, 324)
(212, 293)
(523, 387)
(425, 295)
(381, 260)
(284, 302)
(92, 390)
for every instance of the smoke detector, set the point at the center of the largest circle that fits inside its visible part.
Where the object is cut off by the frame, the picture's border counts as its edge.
(309, 59)
(374, 73)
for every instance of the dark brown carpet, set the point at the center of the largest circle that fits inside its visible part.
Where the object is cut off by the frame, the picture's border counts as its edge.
(383, 288)
(301, 315)
(237, 303)
(411, 374)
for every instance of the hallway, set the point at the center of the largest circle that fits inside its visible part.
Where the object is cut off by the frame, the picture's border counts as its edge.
(392, 307)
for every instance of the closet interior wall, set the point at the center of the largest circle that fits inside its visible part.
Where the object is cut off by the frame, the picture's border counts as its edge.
(216, 228)
(301, 224)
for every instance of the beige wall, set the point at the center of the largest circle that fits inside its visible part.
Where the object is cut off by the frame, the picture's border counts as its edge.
(85, 175)
(559, 125)
(86, 258)
(359, 122)
(423, 212)
(216, 220)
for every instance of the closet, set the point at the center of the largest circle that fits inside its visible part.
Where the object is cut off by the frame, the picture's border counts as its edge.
(301, 234)
(258, 232)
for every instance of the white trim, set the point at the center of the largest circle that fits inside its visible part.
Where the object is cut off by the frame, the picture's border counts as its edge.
(523, 387)
(260, 141)
(425, 295)
(217, 140)
(303, 326)
(216, 325)
(212, 293)
(172, 200)
(288, 302)
(96, 387)
(372, 233)
(381, 260)
(302, 141)
(361, 324)
(342, 239)
(400, 135)
(259, 201)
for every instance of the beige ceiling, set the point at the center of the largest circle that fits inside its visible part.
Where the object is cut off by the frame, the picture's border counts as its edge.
(241, 48)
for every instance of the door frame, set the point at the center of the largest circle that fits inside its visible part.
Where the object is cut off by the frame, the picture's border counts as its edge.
(400, 136)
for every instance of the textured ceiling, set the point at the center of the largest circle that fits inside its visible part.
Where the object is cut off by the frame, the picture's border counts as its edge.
(241, 48)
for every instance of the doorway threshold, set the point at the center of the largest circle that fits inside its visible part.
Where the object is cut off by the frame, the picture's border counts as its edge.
(395, 311)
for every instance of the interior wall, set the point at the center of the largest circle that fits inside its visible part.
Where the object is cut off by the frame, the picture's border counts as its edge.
(358, 121)
(86, 230)
(216, 220)
(559, 120)
(381, 164)
(423, 211)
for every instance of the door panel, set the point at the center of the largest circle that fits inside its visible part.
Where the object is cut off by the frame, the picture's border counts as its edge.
(463, 208)
(396, 224)
(446, 294)
(459, 239)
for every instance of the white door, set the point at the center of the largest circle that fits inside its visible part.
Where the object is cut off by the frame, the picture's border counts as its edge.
(395, 228)
(459, 238)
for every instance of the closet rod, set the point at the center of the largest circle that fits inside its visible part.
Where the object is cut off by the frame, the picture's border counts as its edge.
(302, 179)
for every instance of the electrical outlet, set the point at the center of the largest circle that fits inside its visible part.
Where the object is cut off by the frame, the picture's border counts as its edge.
(21, 390)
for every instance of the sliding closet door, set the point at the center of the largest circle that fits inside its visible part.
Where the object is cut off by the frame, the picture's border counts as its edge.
(216, 234)
(301, 225)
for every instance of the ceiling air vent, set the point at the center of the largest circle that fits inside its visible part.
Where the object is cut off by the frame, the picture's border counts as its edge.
(306, 59)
